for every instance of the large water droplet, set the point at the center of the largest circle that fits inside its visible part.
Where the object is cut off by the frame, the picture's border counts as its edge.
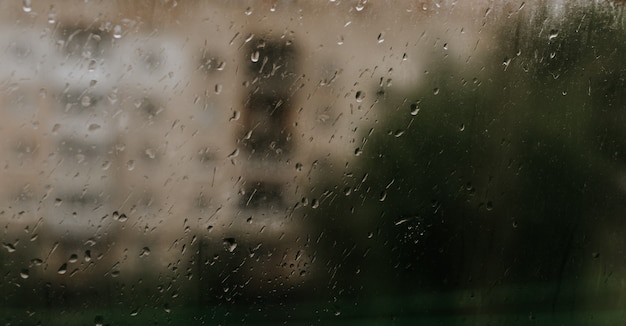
(230, 244)
(27, 6)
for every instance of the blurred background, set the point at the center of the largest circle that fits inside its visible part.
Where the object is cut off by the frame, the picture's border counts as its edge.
(312, 162)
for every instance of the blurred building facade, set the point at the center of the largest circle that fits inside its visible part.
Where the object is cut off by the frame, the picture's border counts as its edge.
(164, 127)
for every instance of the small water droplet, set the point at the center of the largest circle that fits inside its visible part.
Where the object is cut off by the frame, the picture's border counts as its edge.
(230, 244)
(358, 151)
(52, 18)
(130, 165)
(234, 154)
(150, 153)
(99, 320)
(218, 88)
(315, 203)
(92, 65)
(134, 312)
(436, 91)
(360, 95)
(254, 57)
(63, 269)
(381, 38)
(73, 258)
(123, 218)
(106, 165)
(24, 273)
(117, 31)
(462, 127)
(85, 101)
(87, 255)
(248, 11)
(299, 166)
(58, 202)
(340, 40)
(553, 34)
(383, 196)
(27, 6)
(93, 126)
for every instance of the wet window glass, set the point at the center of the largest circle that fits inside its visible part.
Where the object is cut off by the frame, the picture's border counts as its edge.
(312, 162)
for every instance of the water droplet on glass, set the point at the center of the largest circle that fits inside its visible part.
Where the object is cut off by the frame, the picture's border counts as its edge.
(122, 218)
(52, 18)
(106, 165)
(383, 196)
(73, 258)
(230, 244)
(117, 31)
(381, 38)
(254, 57)
(9, 247)
(415, 109)
(63, 269)
(299, 166)
(85, 101)
(93, 126)
(360, 95)
(553, 34)
(360, 5)
(315, 203)
(340, 40)
(234, 153)
(24, 273)
(462, 127)
(218, 88)
(92, 65)
(358, 151)
(436, 91)
(99, 320)
(150, 153)
(130, 165)
(134, 312)
(26, 6)
(248, 11)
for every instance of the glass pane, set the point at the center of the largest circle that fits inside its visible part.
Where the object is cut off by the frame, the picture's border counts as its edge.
(312, 162)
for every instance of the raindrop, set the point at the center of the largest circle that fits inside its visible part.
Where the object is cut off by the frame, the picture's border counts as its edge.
(230, 244)
(134, 312)
(436, 91)
(58, 202)
(299, 166)
(553, 34)
(360, 95)
(116, 215)
(24, 273)
(87, 255)
(52, 18)
(73, 258)
(106, 165)
(26, 6)
(383, 196)
(130, 165)
(63, 269)
(398, 133)
(234, 153)
(92, 65)
(117, 31)
(150, 153)
(340, 40)
(462, 127)
(360, 5)
(381, 38)
(248, 11)
(85, 101)
(415, 109)
(358, 151)
(315, 203)
(94, 126)
(99, 320)
(254, 57)
(9, 247)
(218, 88)
(122, 218)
